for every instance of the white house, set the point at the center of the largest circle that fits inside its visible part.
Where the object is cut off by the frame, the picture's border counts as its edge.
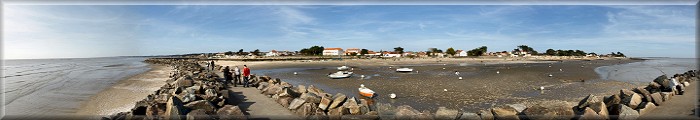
(461, 53)
(349, 51)
(273, 53)
(333, 51)
(391, 54)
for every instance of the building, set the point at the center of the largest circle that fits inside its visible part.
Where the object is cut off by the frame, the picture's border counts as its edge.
(273, 53)
(349, 51)
(333, 51)
(461, 53)
(391, 54)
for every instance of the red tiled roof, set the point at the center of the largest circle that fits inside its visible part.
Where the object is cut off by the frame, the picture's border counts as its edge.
(333, 49)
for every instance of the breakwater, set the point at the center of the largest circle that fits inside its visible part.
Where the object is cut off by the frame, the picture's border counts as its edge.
(313, 103)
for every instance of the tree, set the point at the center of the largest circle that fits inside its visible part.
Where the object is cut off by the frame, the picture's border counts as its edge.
(451, 51)
(228, 53)
(353, 54)
(619, 54)
(526, 48)
(256, 52)
(364, 52)
(477, 51)
(398, 50)
(551, 52)
(240, 52)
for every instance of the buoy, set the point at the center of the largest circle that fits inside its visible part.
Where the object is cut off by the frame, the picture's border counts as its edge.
(444, 64)
(362, 76)
(389, 67)
(541, 87)
(392, 95)
(444, 90)
(352, 68)
(460, 78)
(582, 66)
(560, 70)
(443, 68)
(550, 75)
(456, 73)
(295, 73)
(498, 72)
(550, 66)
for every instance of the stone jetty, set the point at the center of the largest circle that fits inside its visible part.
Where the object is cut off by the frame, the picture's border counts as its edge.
(196, 93)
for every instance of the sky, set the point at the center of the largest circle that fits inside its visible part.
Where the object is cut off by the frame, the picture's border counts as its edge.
(77, 31)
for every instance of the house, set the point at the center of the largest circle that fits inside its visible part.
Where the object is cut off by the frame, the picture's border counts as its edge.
(272, 53)
(333, 51)
(391, 54)
(422, 54)
(409, 53)
(461, 53)
(372, 53)
(349, 51)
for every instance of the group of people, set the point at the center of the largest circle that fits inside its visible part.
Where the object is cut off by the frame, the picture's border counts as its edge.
(235, 75)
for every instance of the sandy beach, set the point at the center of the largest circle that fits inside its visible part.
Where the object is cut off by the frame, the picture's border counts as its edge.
(424, 89)
(123, 95)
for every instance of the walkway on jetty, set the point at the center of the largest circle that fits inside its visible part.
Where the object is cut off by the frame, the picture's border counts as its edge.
(679, 107)
(258, 106)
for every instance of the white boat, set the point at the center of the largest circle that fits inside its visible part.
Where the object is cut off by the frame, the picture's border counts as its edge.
(343, 67)
(340, 74)
(366, 92)
(404, 70)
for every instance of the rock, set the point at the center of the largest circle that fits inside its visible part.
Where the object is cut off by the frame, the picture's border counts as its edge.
(288, 92)
(187, 97)
(385, 110)
(632, 101)
(663, 81)
(657, 98)
(686, 84)
(613, 99)
(263, 85)
(590, 114)
(338, 100)
(446, 114)
(201, 104)
(645, 107)
(227, 96)
(666, 95)
(311, 97)
(286, 84)
(590, 99)
(174, 109)
(354, 109)
(296, 103)
(325, 102)
(624, 93)
(406, 112)
(600, 109)
(518, 107)
(364, 109)
(285, 101)
(505, 113)
(550, 110)
(301, 89)
(645, 94)
(230, 112)
(486, 115)
(210, 94)
(184, 82)
(469, 116)
(654, 85)
(155, 110)
(306, 110)
(315, 90)
(338, 111)
(198, 114)
(272, 90)
(627, 113)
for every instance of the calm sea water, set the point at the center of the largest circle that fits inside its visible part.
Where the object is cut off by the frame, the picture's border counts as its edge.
(38, 87)
(646, 71)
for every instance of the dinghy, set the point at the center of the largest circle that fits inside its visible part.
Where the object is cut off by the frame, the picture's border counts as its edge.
(343, 67)
(340, 74)
(366, 91)
(404, 70)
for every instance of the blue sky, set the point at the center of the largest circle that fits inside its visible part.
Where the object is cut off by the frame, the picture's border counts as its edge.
(60, 31)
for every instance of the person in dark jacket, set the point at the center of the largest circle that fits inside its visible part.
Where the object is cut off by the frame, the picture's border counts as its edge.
(228, 76)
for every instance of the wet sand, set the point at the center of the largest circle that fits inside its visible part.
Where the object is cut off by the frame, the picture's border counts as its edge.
(480, 88)
(123, 95)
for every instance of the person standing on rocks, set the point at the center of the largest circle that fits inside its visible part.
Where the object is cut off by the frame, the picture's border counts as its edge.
(212, 65)
(246, 76)
(237, 76)
(227, 75)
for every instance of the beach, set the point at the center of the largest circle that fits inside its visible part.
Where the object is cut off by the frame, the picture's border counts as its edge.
(430, 86)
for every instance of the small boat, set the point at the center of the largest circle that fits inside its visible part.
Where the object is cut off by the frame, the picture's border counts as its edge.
(404, 70)
(343, 67)
(340, 74)
(366, 92)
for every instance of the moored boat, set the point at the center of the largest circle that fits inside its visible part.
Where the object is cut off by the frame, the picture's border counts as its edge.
(404, 70)
(340, 74)
(366, 91)
(343, 67)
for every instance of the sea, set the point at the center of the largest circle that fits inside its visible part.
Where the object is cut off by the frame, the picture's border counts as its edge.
(46, 87)
(645, 71)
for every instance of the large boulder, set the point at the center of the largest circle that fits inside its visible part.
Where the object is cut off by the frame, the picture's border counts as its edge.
(272, 90)
(296, 103)
(301, 89)
(201, 104)
(627, 113)
(624, 93)
(469, 116)
(612, 99)
(286, 84)
(325, 103)
(632, 101)
(518, 107)
(505, 113)
(663, 81)
(590, 99)
(550, 110)
(184, 82)
(406, 112)
(285, 101)
(646, 107)
(155, 110)
(446, 114)
(263, 85)
(590, 114)
(315, 90)
(600, 109)
(338, 111)
(354, 109)
(199, 114)
(306, 109)
(654, 86)
(230, 112)
(657, 98)
(288, 92)
(311, 97)
(646, 95)
(338, 100)
(486, 115)
(666, 95)
(174, 109)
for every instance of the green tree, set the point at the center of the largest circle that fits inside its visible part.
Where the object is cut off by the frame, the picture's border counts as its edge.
(240, 52)
(364, 52)
(526, 48)
(451, 51)
(398, 50)
(551, 52)
(477, 51)
(256, 52)
(228, 53)
(353, 54)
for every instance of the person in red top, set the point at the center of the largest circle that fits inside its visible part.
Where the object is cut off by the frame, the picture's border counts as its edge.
(246, 75)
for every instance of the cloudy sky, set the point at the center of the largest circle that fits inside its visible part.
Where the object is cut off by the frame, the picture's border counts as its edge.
(65, 31)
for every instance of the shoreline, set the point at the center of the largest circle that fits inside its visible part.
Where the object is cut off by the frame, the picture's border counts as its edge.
(125, 93)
